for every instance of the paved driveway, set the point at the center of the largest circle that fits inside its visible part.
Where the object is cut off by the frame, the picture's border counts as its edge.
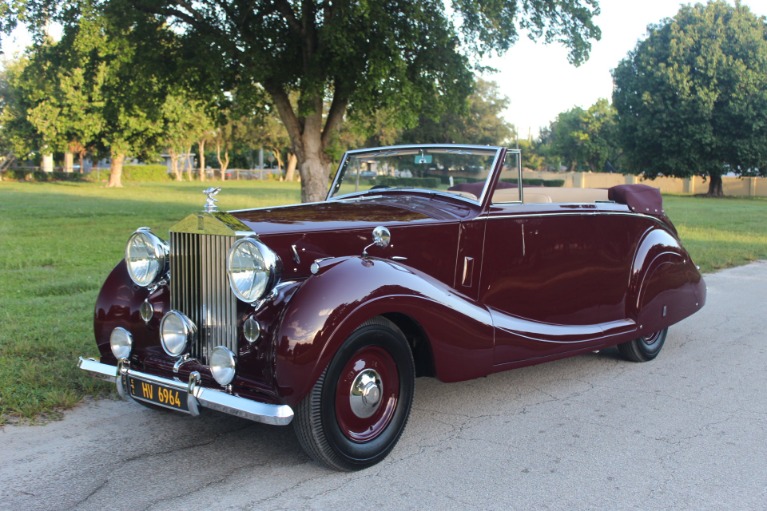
(686, 431)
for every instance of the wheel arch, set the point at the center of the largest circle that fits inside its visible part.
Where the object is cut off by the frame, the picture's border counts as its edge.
(418, 341)
(665, 285)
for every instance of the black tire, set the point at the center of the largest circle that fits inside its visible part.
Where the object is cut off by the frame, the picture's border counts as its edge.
(643, 349)
(358, 408)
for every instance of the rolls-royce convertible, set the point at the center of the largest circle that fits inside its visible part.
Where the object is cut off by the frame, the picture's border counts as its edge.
(424, 260)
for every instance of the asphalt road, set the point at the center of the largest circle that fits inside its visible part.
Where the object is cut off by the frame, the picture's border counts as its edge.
(686, 431)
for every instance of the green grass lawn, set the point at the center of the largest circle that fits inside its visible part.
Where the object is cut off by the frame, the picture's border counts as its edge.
(58, 241)
(720, 233)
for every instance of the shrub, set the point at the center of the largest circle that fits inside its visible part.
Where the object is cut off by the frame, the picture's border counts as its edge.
(40, 176)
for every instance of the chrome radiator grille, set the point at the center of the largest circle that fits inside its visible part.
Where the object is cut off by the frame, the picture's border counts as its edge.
(199, 289)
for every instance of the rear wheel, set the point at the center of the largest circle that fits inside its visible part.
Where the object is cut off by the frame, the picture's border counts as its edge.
(643, 349)
(357, 410)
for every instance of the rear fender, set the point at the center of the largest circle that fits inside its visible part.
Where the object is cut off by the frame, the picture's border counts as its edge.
(666, 286)
(346, 292)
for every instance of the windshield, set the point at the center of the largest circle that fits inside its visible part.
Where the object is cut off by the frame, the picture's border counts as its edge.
(461, 170)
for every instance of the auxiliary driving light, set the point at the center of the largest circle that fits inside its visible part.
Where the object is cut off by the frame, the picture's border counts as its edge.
(222, 365)
(121, 341)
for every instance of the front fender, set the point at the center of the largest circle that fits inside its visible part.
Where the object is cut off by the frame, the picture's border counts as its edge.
(346, 292)
(118, 304)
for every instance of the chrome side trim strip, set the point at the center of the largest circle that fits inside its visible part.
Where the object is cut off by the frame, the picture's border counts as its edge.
(559, 334)
(277, 415)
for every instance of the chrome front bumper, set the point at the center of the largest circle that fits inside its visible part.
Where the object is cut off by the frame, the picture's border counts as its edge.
(197, 396)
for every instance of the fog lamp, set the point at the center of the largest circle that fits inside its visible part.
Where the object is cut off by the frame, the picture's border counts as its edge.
(222, 365)
(121, 341)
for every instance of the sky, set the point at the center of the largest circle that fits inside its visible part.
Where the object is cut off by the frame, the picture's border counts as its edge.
(540, 83)
(537, 78)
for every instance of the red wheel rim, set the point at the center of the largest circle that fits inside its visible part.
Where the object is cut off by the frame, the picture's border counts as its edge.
(367, 394)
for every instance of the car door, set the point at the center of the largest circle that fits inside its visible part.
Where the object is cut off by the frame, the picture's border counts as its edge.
(554, 278)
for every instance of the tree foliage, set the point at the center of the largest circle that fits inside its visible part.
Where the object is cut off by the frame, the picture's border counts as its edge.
(478, 121)
(17, 134)
(583, 139)
(692, 97)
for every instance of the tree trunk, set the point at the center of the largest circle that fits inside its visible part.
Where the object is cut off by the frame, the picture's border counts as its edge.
(290, 173)
(69, 162)
(116, 171)
(715, 186)
(309, 135)
(223, 163)
(174, 164)
(314, 178)
(201, 150)
(188, 163)
(313, 163)
(280, 163)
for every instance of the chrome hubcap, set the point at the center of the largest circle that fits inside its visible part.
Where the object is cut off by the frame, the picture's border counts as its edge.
(365, 393)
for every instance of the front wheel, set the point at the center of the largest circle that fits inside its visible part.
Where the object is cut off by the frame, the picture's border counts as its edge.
(643, 349)
(357, 410)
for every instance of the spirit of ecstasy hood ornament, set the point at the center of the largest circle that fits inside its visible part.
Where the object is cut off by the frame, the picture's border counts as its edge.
(210, 203)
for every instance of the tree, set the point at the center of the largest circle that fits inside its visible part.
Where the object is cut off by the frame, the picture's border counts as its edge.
(185, 123)
(692, 97)
(531, 154)
(102, 84)
(39, 111)
(478, 121)
(139, 56)
(581, 138)
(66, 100)
(351, 55)
(16, 132)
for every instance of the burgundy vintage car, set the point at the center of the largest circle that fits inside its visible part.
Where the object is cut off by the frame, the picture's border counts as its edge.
(321, 315)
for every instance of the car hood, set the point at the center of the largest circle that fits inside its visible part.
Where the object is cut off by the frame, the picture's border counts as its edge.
(424, 230)
(359, 213)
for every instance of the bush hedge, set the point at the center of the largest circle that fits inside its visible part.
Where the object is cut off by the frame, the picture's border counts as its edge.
(145, 173)
(39, 175)
(135, 173)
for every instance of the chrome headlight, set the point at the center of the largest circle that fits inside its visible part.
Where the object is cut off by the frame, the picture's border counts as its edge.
(222, 365)
(121, 341)
(252, 268)
(146, 257)
(176, 330)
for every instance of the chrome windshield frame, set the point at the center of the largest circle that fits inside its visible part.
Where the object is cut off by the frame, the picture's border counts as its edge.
(391, 150)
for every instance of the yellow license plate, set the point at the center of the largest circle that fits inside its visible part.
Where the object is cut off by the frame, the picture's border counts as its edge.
(158, 394)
